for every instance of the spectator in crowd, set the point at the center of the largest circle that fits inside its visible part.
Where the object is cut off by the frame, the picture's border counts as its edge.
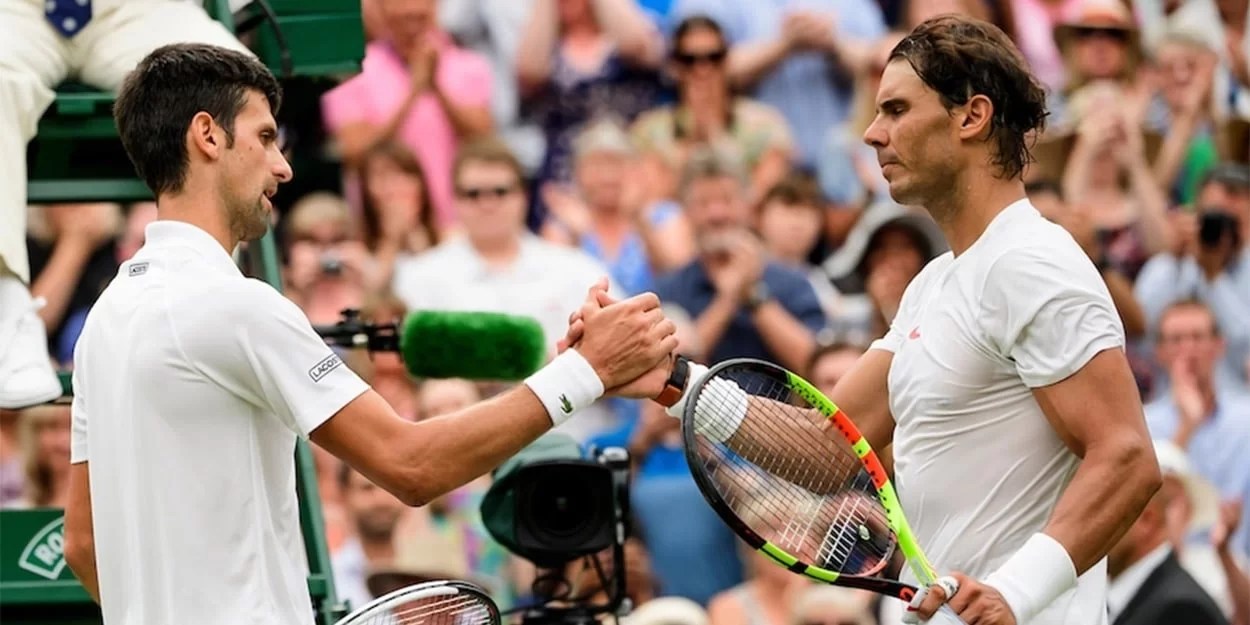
(493, 29)
(417, 87)
(888, 246)
(42, 43)
(830, 362)
(500, 266)
(579, 60)
(1199, 529)
(797, 56)
(43, 447)
(1210, 262)
(708, 114)
(832, 605)
(667, 611)
(1148, 584)
(1185, 67)
(848, 169)
(384, 371)
(767, 597)
(12, 473)
(397, 215)
(585, 583)
(790, 219)
(1101, 47)
(744, 304)
(606, 213)
(1199, 413)
(73, 255)
(328, 268)
(1108, 172)
(373, 514)
(1034, 33)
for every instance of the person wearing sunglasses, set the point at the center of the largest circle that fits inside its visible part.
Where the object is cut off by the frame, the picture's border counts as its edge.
(708, 114)
(1100, 45)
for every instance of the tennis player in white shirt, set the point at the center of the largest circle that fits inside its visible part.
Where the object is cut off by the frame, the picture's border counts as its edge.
(1020, 446)
(192, 382)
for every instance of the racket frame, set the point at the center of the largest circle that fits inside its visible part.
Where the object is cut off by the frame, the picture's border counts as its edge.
(907, 543)
(416, 592)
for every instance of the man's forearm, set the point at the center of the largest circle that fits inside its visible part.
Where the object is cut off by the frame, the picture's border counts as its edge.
(469, 121)
(784, 335)
(1108, 492)
(84, 567)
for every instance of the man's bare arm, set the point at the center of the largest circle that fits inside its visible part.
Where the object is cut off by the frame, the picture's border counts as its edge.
(80, 531)
(420, 461)
(1098, 414)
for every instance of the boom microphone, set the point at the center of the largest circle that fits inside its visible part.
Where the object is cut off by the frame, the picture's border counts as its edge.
(471, 345)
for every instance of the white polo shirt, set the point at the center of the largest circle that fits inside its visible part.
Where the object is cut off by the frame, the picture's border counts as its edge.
(978, 467)
(191, 384)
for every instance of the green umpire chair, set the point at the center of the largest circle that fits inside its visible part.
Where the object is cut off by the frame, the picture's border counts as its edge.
(75, 157)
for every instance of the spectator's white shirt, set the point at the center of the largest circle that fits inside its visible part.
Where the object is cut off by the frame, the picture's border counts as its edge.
(546, 282)
(191, 385)
(978, 467)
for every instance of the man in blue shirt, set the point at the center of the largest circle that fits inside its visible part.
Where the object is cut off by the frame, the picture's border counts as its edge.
(744, 305)
(1207, 419)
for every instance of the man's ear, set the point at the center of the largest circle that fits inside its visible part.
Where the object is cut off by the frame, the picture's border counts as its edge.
(205, 137)
(975, 118)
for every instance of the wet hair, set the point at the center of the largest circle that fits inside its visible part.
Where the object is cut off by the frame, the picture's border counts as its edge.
(959, 57)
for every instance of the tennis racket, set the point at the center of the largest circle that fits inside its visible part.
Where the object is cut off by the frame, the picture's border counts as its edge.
(428, 603)
(797, 481)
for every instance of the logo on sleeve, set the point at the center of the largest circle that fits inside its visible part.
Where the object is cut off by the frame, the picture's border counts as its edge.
(323, 368)
(565, 404)
(137, 269)
(915, 333)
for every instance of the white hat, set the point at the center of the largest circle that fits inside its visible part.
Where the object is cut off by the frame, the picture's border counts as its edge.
(667, 611)
(1203, 498)
(844, 266)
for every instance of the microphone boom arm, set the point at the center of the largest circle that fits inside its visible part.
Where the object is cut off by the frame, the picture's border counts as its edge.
(351, 332)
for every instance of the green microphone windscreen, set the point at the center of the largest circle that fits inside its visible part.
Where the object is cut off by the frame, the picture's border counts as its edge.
(471, 345)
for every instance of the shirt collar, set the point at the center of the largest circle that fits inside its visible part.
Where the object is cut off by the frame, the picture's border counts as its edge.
(1124, 587)
(168, 233)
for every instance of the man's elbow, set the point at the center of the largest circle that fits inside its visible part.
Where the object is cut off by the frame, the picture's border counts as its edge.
(80, 553)
(1135, 459)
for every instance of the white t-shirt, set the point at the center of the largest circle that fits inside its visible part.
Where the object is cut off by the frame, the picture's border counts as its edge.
(978, 467)
(191, 384)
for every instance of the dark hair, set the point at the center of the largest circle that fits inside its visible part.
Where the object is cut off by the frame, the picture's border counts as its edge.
(696, 22)
(486, 150)
(1191, 303)
(403, 158)
(959, 57)
(167, 88)
(796, 189)
(827, 349)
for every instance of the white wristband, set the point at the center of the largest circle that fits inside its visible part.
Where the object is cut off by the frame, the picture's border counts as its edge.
(726, 395)
(565, 385)
(1034, 576)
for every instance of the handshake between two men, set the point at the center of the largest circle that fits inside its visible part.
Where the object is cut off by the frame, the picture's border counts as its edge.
(629, 343)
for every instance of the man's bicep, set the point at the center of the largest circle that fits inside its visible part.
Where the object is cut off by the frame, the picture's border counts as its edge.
(78, 521)
(864, 395)
(1098, 404)
(366, 434)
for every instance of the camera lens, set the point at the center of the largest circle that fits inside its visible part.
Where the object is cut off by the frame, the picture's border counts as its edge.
(563, 509)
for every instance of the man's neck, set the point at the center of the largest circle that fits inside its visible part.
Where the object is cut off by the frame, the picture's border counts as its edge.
(189, 207)
(978, 198)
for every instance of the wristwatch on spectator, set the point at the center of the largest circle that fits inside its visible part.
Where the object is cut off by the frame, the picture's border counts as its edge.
(678, 378)
(758, 296)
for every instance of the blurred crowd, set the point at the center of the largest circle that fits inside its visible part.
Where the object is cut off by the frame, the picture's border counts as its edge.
(502, 155)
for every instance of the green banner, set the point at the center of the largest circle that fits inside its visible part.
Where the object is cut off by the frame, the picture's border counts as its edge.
(32, 558)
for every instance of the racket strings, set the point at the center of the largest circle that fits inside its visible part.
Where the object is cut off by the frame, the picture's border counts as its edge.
(793, 481)
(458, 609)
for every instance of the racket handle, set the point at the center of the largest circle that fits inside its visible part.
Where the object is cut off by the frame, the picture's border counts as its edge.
(944, 616)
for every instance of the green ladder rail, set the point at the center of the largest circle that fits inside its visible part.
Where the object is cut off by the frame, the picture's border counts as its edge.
(76, 156)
